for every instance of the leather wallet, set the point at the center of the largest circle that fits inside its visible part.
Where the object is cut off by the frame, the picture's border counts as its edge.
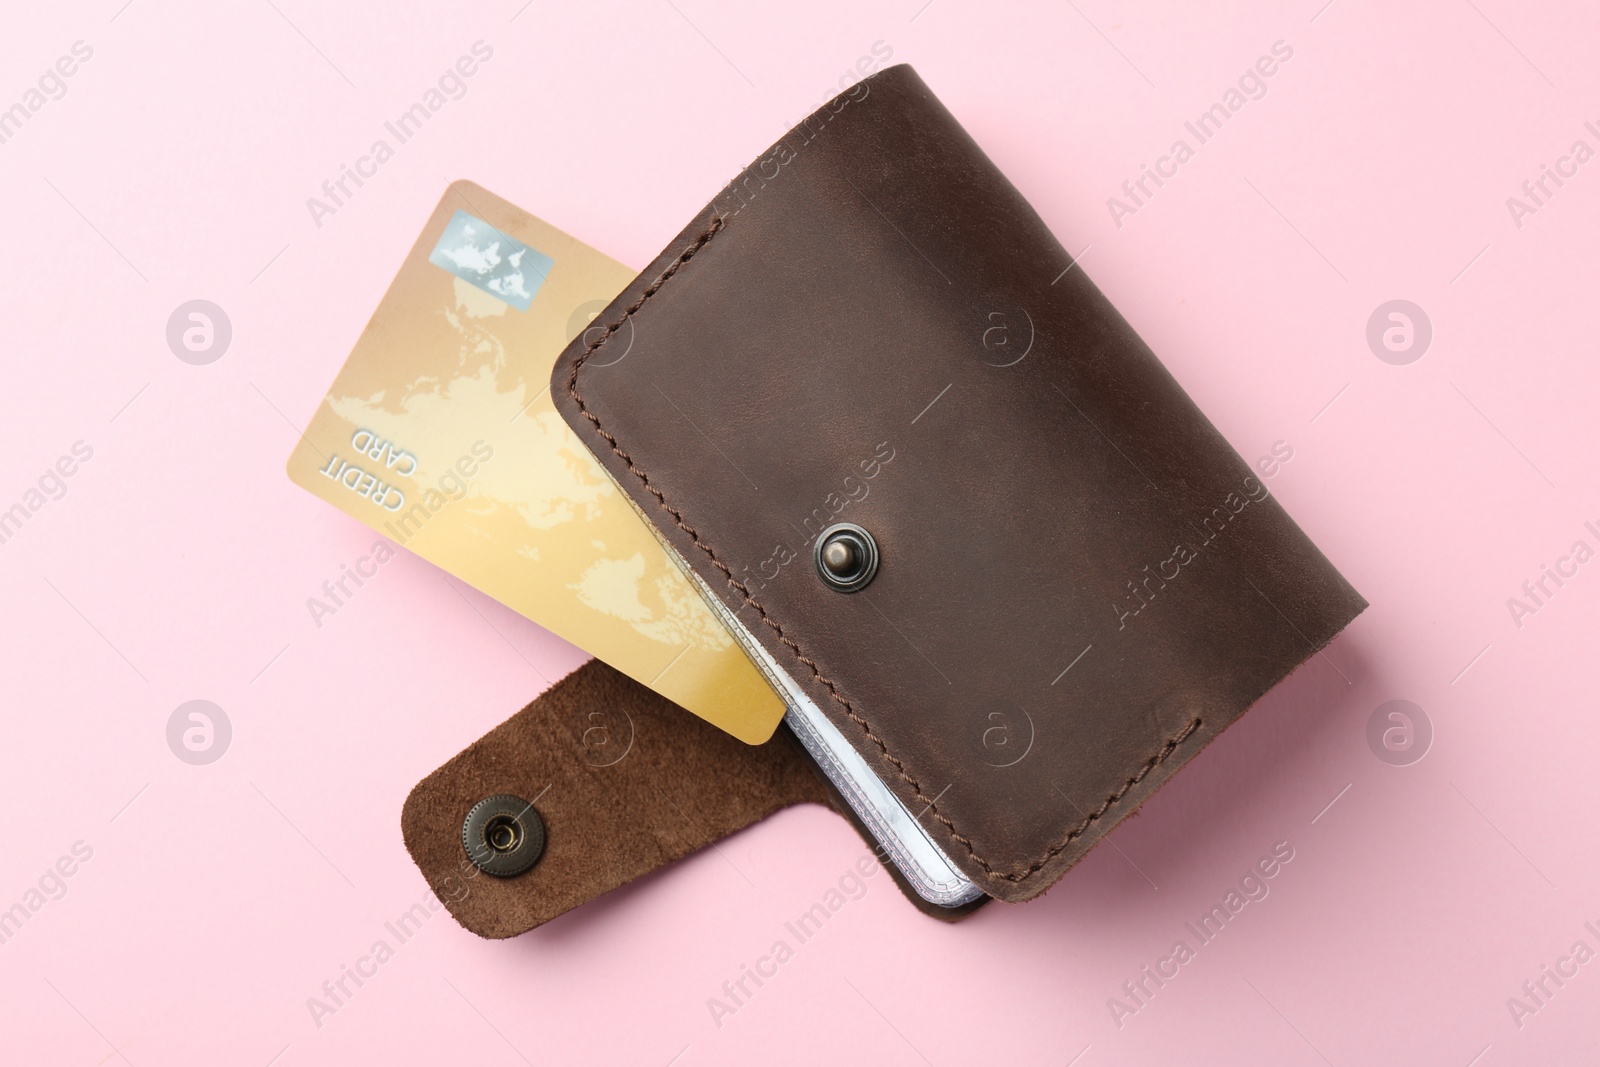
(870, 325)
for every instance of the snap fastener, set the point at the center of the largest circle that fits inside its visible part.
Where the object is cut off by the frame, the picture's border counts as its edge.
(503, 835)
(846, 557)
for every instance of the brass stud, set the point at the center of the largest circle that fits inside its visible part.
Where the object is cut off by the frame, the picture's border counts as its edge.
(846, 557)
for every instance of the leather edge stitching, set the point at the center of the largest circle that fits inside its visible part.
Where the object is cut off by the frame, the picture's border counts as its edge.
(1166, 750)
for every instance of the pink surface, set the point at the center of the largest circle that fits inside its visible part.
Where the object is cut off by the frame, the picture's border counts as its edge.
(177, 564)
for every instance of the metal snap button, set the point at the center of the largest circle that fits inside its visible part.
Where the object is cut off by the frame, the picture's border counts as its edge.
(503, 835)
(846, 557)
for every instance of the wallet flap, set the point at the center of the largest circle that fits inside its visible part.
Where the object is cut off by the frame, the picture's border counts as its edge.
(618, 781)
(1080, 583)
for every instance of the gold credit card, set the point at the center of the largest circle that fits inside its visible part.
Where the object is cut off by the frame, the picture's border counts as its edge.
(439, 433)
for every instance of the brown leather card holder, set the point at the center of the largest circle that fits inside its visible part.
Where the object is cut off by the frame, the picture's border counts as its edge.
(871, 326)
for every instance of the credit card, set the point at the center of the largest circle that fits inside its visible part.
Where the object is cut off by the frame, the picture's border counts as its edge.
(439, 433)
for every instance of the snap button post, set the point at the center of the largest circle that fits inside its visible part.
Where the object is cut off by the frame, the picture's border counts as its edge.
(846, 557)
(503, 835)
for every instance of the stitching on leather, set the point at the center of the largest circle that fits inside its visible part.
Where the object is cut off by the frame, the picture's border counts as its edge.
(1166, 750)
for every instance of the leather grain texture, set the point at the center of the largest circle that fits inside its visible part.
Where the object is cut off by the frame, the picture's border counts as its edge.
(625, 781)
(870, 324)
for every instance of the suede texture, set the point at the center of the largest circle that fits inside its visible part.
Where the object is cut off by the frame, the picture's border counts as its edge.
(625, 781)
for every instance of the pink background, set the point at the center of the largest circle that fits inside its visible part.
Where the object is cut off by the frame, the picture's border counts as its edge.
(177, 565)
